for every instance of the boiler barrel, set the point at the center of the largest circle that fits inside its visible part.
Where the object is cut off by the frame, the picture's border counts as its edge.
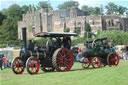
(38, 54)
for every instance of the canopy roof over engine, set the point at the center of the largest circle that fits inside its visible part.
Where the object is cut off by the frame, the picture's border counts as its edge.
(54, 34)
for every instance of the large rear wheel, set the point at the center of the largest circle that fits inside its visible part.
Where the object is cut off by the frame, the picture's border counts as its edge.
(32, 65)
(17, 65)
(62, 59)
(113, 59)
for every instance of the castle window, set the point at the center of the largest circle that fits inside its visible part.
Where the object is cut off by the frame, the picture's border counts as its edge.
(109, 23)
(112, 22)
(79, 23)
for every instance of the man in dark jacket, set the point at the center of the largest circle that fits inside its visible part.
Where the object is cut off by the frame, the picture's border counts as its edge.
(67, 42)
(1, 60)
(31, 45)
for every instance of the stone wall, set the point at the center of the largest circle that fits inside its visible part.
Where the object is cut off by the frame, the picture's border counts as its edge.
(47, 20)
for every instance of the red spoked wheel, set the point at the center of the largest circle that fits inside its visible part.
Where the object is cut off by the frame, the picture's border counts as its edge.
(32, 65)
(86, 62)
(17, 65)
(113, 59)
(47, 69)
(96, 62)
(62, 59)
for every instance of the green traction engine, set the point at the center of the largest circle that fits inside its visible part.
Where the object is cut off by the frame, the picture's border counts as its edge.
(99, 53)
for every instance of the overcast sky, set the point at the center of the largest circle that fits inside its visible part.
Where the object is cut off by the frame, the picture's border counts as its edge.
(54, 3)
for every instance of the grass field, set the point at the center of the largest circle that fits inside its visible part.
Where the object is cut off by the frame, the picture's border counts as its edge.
(77, 76)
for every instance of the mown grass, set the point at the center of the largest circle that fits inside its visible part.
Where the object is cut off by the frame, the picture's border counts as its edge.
(77, 76)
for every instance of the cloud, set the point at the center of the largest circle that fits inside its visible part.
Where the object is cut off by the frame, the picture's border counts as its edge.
(7, 3)
(86, 2)
(98, 3)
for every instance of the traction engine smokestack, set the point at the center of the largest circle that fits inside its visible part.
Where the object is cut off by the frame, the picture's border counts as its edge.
(24, 38)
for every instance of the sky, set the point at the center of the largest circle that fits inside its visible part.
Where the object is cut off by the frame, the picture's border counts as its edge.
(55, 3)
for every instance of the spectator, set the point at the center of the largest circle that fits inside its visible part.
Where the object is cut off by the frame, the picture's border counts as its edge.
(4, 60)
(1, 61)
(8, 63)
(79, 55)
(58, 41)
(31, 45)
(125, 55)
(67, 42)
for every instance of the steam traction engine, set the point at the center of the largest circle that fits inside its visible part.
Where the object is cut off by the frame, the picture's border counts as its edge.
(54, 56)
(97, 53)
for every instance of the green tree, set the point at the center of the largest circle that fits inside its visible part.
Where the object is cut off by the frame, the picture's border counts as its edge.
(122, 10)
(2, 17)
(87, 27)
(43, 4)
(66, 30)
(97, 11)
(91, 10)
(24, 9)
(87, 30)
(8, 30)
(68, 4)
(117, 36)
(14, 10)
(77, 30)
(111, 8)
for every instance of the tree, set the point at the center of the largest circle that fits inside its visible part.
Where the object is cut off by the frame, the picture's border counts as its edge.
(111, 8)
(68, 4)
(43, 4)
(87, 30)
(122, 10)
(14, 10)
(24, 9)
(97, 11)
(8, 30)
(91, 10)
(2, 17)
(115, 35)
(77, 30)
(66, 30)
(4, 12)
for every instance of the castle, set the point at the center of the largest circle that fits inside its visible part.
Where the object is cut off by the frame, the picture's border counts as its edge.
(48, 20)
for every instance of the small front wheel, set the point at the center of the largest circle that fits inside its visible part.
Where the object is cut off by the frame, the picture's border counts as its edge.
(17, 65)
(96, 62)
(86, 63)
(32, 65)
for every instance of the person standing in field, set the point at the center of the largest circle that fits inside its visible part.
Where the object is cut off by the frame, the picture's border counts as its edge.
(1, 61)
(4, 60)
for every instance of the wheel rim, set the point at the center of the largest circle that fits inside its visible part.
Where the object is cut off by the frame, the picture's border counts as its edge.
(63, 60)
(47, 69)
(17, 65)
(33, 65)
(113, 59)
(96, 62)
(86, 63)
